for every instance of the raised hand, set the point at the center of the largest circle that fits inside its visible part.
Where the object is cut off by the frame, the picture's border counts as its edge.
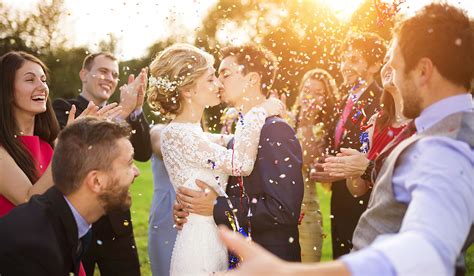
(128, 97)
(109, 112)
(132, 95)
(143, 78)
(90, 110)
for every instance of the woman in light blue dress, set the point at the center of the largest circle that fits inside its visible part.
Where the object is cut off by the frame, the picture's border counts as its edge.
(161, 233)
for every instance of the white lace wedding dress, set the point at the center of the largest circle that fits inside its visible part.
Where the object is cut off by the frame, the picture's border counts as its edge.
(189, 154)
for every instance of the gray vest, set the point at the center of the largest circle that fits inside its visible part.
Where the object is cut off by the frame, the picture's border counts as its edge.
(384, 213)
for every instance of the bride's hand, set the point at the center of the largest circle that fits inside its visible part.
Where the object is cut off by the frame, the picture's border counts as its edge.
(273, 106)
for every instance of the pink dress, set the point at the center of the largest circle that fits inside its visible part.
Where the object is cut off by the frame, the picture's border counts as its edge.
(42, 153)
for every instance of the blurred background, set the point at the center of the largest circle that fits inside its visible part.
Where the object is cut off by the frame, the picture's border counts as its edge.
(302, 33)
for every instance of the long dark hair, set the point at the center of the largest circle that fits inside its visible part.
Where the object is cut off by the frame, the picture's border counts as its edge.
(46, 124)
(386, 115)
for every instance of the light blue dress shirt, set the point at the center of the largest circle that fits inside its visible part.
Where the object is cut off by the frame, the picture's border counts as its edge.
(82, 225)
(435, 178)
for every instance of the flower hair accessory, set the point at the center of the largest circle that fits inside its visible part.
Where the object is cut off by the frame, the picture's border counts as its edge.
(164, 83)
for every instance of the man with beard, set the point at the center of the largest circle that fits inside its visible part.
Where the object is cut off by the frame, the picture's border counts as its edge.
(361, 58)
(113, 247)
(422, 209)
(92, 169)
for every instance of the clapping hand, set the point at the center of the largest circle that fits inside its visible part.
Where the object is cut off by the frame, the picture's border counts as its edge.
(132, 95)
(108, 112)
(348, 163)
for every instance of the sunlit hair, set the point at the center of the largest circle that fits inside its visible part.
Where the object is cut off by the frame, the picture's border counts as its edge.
(46, 124)
(443, 34)
(331, 95)
(255, 58)
(371, 45)
(87, 144)
(175, 68)
(88, 62)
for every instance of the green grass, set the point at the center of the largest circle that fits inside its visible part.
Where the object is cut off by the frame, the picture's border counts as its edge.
(142, 192)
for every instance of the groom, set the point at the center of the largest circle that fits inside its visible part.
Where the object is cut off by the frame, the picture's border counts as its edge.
(268, 201)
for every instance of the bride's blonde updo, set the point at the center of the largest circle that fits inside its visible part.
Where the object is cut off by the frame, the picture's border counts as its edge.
(175, 68)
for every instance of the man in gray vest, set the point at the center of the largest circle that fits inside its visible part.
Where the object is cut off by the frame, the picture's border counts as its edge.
(422, 206)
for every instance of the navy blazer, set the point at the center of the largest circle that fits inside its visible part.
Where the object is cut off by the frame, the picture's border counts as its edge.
(274, 191)
(39, 238)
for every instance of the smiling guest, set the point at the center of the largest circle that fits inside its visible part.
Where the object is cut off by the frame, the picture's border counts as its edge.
(92, 169)
(114, 248)
(28, 130)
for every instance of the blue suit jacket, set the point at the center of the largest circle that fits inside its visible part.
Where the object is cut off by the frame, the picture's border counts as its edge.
(274, 192)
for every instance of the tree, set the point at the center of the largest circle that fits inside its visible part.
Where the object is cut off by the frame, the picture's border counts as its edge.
(37, 32)
(302, 34)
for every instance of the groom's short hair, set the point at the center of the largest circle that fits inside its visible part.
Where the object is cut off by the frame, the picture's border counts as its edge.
(255, 58)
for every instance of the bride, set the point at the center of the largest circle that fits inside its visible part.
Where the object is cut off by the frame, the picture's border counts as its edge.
(182, 84)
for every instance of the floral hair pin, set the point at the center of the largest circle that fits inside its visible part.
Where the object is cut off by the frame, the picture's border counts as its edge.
(164, 83)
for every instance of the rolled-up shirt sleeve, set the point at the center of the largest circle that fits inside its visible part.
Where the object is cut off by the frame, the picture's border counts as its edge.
(435, 178)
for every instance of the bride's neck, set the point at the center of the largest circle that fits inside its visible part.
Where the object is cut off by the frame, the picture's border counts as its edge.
(189, 114)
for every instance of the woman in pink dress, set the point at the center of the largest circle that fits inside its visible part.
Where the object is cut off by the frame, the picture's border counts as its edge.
(28, 130)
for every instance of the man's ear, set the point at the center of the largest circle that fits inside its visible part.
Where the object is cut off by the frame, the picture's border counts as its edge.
(375, 68)
(83, 74)
(95, 181)
(254, 78)
(424, 70)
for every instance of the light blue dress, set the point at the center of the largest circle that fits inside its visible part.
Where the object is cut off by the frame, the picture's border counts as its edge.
(161, 234)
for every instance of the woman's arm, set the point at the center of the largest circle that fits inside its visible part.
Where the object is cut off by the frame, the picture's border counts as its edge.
(15, 185)
(220, 139)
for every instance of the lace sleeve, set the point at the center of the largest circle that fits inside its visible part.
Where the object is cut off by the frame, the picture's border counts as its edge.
(196, 149)
(220, 139)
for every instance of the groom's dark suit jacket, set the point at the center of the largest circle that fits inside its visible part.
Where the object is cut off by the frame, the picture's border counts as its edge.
(39, 238)
(274, 192)
(114, 230)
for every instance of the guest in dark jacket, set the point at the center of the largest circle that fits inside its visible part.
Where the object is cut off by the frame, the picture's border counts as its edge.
(361, 58)
(113, 247)
(92, 170)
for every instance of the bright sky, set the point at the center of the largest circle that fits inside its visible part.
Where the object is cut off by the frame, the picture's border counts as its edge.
(138, 24)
